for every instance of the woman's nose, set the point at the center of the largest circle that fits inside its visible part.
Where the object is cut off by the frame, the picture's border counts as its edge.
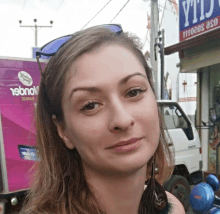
(120, 118)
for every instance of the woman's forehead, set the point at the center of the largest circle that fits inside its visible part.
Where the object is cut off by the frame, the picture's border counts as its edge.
(107, 63)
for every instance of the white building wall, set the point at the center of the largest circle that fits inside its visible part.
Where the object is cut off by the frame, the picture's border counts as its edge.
(205, 116)
(190, 89)
(169, 21)
(187, 94)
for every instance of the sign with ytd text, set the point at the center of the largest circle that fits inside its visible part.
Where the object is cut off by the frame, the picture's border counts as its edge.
(197, 17)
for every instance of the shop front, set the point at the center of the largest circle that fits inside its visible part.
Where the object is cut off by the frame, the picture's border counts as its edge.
(199, 52)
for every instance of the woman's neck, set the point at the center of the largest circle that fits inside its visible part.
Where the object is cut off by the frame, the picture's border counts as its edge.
(118, 195)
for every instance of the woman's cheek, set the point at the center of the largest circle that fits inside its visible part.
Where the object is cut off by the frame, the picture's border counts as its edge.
(92, 127)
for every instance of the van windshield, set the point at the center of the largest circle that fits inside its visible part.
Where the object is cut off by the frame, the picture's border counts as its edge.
(175, 119)
(173, 116)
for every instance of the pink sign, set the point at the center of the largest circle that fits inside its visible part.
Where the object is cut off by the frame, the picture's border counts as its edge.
(19, 82)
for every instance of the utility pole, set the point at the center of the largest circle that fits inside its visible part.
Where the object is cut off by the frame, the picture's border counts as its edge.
(153, 48)
(35, 26)
(162, 66)
(160, 44)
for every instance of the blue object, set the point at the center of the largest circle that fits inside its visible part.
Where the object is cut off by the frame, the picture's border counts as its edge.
(27, 152)
(215, 211)
(213, 182)
(34, 50)
(53, 46)
(190, 17)
(202, 197)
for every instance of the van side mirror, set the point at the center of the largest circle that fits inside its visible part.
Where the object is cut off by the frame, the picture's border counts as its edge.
(212, 115)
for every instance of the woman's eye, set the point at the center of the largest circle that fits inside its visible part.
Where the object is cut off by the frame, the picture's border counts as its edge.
(89, 106)
(136, 91)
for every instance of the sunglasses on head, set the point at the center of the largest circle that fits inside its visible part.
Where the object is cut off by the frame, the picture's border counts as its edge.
(53, 46)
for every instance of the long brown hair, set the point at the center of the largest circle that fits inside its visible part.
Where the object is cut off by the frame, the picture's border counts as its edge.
(59, 184)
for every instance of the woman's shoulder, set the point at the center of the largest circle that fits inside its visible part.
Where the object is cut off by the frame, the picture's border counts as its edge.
(175, 204)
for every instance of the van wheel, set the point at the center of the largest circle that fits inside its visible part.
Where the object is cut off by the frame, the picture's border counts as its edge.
(180, 188)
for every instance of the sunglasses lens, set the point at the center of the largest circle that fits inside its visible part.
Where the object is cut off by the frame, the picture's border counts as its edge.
(53, 46)
(113, 28)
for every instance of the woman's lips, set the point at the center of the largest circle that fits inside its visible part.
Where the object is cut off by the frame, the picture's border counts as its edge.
(124, 146)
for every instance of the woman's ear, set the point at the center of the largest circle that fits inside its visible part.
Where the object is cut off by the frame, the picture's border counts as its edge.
(62, 133)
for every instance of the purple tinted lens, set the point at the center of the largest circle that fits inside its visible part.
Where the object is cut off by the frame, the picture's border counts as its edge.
(53, 46)
(113, 28)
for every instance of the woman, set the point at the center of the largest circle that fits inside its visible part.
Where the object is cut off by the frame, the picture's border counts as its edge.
(99, 131)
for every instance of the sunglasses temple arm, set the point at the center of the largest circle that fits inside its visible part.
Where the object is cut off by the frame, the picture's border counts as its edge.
(38, 62)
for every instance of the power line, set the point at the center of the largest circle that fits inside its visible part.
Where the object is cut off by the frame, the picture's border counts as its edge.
(120, 11)
(59, 6)
(162, 14)
(146, 39)
(35, 26)
(24, 4)
(41, 3)
(165, 8)
(95, 15)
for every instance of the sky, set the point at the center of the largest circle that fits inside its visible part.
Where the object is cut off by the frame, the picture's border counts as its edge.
(68, 17)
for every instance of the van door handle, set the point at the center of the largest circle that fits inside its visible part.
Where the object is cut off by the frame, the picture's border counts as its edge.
(190, 147)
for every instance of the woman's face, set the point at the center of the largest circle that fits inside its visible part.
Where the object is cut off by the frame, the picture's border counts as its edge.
(108, 99)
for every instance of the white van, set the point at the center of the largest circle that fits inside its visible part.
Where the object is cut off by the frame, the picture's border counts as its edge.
(187, 147)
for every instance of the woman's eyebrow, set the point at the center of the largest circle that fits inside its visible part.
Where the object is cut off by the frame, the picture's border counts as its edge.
(95, 89)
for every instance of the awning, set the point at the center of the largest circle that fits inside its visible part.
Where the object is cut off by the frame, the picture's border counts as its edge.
(192, 42)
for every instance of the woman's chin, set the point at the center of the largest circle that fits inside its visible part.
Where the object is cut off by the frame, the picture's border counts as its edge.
(130, 167)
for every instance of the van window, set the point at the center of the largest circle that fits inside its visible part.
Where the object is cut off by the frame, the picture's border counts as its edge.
(175, 119)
